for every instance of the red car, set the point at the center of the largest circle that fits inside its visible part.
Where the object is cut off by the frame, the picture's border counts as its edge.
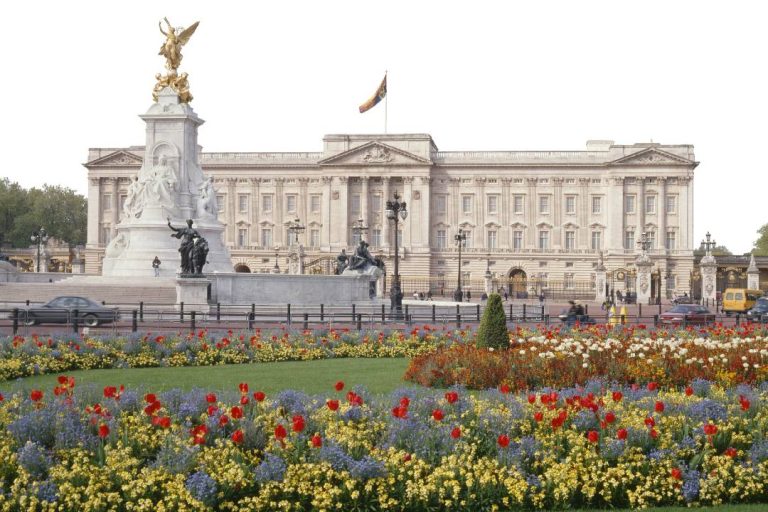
(688, 314)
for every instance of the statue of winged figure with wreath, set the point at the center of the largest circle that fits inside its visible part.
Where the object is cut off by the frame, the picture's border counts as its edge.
(171, 48)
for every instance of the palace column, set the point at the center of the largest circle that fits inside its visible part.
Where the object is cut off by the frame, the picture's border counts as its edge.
(364, 200)
(231, 207)
(254, 238)
(584, 206)
(504, 239)
(662, 209)
(479, 232)
(615, 226)
(557, 210)
(423, 212)
(325, 212)
(641, 206)
(384, 221)
(94, 212)
(115, 184)
(278, 210)
(530, 217)
(409, 221)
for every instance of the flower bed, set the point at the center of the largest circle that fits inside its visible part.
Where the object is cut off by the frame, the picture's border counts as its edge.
(34, 355)
(595, 446)
(559, 359)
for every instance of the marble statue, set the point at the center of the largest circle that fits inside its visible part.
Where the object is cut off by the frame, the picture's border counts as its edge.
(207, 205)
(134, 202)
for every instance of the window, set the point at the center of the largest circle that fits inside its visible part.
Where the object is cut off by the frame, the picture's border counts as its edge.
(468, 241)
(242, 237)
(543, 239)
(629, 204)
(314, 203)
(376, 237)
(570, 240)
(517, 204)
(290, 203)
(671, 240)
(376, 204)
(106, 234)
(629, 239)
(493, 205)
(266, 237)
(355, 238)
(441, 240)
(107, 202)
(491, 239)
(570, 205)
(597, 204)
(597, 241)
(242, 203)
(220, 202)
(354, 205)
(314, 238)
(568, 280)
(466, 204)
(651, 237)
(544, 204)
(671, 204)
(440, 202)
(266, 203)
(650, 204)
(517, 240)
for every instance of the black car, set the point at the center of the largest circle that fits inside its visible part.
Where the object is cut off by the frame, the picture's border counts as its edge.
(61, 310)
(759, 311)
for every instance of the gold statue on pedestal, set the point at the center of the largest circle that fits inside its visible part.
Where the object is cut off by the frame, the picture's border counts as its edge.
(171, 50)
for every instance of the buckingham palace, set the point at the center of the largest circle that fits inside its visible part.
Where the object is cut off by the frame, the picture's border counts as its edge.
(534, 220)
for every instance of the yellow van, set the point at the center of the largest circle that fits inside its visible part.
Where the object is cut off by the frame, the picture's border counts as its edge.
(739, 300)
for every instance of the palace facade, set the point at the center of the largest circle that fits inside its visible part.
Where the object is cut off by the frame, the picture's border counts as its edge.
(535, 220)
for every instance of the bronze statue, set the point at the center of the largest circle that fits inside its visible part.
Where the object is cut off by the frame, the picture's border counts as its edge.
(187, 235)
(198, 255)
(362, 257)
(171, 48)
(342, 260)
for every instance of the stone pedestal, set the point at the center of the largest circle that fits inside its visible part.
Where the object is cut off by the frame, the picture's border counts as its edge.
(488, 282)
(170, 184)
(193, 292)
(643, 282)
(601, 281)
(753, 274)
(78, 266)
(708, 270)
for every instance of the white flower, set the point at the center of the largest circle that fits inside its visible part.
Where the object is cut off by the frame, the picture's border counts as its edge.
(585, 365)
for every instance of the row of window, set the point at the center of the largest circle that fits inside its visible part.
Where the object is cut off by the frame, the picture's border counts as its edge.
(374, 237)
(569, 239)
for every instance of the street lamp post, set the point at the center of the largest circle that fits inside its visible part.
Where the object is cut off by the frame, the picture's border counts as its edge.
(40, 238)
(395, 210)
(296, 228)
(276, 268)
(460, 239)
(360, 228)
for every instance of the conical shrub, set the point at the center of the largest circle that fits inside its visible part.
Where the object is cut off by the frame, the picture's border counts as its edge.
(493, 332)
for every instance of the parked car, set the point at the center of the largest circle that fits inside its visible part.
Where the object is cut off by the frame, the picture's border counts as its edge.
(759, 312)
(739, 300)
(60, 310)
(688, 314)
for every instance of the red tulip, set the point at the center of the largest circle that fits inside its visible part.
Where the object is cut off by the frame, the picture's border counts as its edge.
(659, 407)
(621, 433)
(593, 436)
(243, 386)
(744, 402)
(710, 429)
(298, 423)
(456, 432)
(198, 434)
(610, 417)
(332, 404)
(531, 399)
(317, 441)
(503, 440)
(280, 432)
(617, 396)
(150, 398)
(62, 379)
(653, 433)
(652, 386)
(110, 391)
(1, 397)
(405, 401)
(538, 416)
(688, 391)
(504, 389)
(650, 422)
(452, 397)
(223, 420)
(103, 430)
(400, 412)
(730, 452)
(437, 414)
(210, 398)
(244, 400)
(676, 474)
(236, 412)
(161, 421)
(36, 395)
(339, 385)
(212, 410)
(259, 396)
(238, 437)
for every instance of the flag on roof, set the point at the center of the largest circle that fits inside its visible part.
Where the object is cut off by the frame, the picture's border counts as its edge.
(379, 95)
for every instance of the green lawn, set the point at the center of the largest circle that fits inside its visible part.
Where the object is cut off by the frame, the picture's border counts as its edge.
(377, 375)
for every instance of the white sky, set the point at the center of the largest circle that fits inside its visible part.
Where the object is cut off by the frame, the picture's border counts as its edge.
(278, 75)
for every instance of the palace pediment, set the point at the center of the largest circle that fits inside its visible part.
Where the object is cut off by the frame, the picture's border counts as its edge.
(119, 158)
(651, 157)
(374, 153)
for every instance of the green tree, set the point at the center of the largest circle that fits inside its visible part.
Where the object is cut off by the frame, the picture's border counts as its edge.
(493, 332)
(60, 210)
(761, 244)
(718, 250)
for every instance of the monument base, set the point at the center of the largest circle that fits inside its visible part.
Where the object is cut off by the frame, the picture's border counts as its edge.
(193, 293)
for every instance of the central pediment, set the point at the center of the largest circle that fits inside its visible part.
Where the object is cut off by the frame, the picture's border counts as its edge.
(375, 153)
(118, 158)
(653, 156)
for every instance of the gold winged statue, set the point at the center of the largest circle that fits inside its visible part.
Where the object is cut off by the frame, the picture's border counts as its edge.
(171, 48)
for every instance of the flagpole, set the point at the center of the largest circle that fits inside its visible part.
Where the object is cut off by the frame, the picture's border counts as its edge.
(386, 104)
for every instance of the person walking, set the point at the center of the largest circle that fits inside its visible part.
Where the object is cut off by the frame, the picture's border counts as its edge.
(156, 266)
(469, 296)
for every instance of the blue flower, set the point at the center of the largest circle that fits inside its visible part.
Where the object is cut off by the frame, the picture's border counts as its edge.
(202, 487)
(34, 460)
(271, 469)
(691, 485)
(47, 491)
(706, 409)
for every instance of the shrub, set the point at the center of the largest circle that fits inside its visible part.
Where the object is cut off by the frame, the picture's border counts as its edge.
(493, 332)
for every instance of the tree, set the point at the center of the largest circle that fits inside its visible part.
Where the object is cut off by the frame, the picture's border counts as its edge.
(761, 244)
(60, 210)
(718, 250)
(493, 332)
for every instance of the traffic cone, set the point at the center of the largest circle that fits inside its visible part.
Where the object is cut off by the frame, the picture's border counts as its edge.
(623, 314)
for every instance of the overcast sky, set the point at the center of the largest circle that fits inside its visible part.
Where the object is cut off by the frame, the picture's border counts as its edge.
(277, 76)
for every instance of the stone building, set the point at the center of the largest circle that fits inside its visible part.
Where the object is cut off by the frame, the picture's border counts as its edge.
(535, 220)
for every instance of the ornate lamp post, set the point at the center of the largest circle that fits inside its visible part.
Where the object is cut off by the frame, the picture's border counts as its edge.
(40, 238)
(276, 268)
(709, 244)
(395, 210)
(460, 238)
(360, 228)
(296, 229)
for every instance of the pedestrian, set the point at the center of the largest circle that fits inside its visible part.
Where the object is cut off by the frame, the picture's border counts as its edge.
(506, 295)
(415, 295)
(469, 296)
(541, 299)
(429, 294)
(156, 266)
